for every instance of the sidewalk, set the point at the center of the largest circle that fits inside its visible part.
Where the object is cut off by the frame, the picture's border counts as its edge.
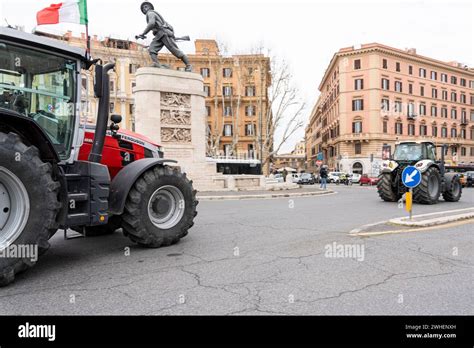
(434, 219)
(262, 194)
(418, 222)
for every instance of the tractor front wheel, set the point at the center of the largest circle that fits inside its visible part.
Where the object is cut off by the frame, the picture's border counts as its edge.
(28, 206)
(385, 190)
(160, 207)
(429, 189)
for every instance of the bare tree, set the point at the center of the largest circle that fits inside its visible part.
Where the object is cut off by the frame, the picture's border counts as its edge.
(284, 112)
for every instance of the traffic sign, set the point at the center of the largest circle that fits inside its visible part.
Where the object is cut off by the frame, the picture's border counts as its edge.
(411, 177)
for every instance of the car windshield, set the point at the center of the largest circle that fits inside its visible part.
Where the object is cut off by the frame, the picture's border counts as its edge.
(40, 86)
(408, 152)
(305, 176)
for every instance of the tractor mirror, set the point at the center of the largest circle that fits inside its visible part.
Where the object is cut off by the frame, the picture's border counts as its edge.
(116, 118)
(98, 81)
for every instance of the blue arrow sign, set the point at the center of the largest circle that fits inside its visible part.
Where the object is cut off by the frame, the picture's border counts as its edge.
(411, 177)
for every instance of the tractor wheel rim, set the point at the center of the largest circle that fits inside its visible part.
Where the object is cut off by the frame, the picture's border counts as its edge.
(14, 208)
(433, 186)
(166, 207)
(456, 188)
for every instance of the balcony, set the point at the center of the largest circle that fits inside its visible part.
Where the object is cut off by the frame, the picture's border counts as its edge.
(464, 121)
(356, 137)
(412, 116)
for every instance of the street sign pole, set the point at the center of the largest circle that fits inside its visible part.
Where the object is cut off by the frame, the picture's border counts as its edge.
(411, 208)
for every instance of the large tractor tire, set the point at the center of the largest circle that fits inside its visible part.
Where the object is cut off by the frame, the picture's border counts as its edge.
(384, 188)
(429, 189)
(28, 205)
(113, 225)
(455, 192)
(160, 207)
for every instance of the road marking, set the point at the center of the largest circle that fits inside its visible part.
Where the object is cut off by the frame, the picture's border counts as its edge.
(420, 229)
(269, 196)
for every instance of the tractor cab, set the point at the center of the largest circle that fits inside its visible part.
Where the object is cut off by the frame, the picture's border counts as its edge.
(43, 85)
(412, 152)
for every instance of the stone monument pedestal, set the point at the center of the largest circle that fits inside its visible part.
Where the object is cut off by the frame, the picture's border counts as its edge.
(170, 109)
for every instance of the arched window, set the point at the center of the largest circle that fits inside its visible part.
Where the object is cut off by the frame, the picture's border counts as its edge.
(357, 168)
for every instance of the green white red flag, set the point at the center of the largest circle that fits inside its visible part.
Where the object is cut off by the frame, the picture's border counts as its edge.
(70, 11)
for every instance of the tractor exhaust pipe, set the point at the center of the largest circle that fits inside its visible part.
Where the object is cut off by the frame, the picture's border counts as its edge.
(102, 92)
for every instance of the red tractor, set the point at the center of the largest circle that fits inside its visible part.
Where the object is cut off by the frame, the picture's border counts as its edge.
(52, 176)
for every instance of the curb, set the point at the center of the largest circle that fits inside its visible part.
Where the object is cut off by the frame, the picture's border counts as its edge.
(404, 221)
(264, 196)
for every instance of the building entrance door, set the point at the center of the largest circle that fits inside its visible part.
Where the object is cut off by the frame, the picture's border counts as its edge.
(357, 168)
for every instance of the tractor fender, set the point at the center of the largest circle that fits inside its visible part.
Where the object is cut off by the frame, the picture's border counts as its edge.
(123, 182)
(30, 132)
(423, 165)
(389, 166)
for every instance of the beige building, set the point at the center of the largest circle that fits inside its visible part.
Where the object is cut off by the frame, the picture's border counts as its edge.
(235, 87)
(375, 95)
(296, 159)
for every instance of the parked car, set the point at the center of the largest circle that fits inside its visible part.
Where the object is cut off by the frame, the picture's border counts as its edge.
(279, 177)
(355, 178)
(307, 178)
(366, 180)
(469, 179)
(295, 177)
(333, 177)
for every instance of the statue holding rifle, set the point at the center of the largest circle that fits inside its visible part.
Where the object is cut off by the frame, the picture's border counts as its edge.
(164, 36)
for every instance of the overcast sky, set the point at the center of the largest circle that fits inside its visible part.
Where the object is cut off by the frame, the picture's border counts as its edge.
(304, 33)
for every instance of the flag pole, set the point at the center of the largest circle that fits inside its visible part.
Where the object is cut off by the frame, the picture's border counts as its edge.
(88, 39)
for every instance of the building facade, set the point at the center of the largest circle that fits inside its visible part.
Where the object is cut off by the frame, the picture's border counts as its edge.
(374, 95)
(235, 87)
(296, 159)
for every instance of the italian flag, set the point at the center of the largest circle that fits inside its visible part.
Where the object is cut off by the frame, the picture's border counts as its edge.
(70, 11)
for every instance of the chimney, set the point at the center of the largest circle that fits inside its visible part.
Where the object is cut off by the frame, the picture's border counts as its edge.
(411, 51)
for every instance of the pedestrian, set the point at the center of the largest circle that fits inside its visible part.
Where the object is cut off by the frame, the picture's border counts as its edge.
(323, 174)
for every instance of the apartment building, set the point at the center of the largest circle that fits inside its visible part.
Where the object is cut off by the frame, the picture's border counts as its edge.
(375, 95)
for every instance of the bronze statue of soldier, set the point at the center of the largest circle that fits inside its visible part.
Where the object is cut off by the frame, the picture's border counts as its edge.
(164, 37)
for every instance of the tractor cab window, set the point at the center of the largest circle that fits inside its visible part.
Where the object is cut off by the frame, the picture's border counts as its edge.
(431, 152)
(40, 86)
(408, 152)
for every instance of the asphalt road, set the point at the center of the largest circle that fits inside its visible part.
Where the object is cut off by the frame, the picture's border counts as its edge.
(262, 257)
